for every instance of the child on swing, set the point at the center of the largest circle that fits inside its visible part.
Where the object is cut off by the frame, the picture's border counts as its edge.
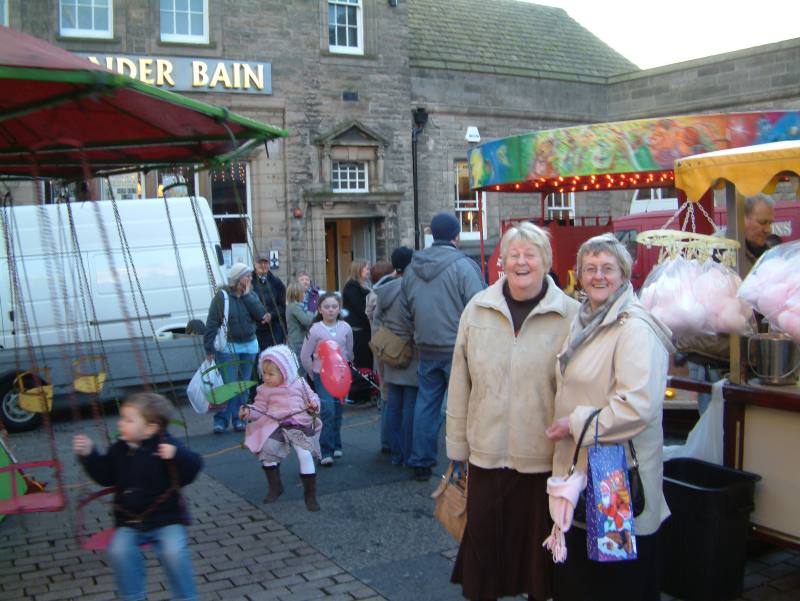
(284, 415)
(148, 467)
(327, 325)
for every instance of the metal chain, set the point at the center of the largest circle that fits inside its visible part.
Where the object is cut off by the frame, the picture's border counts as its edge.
(85, 293)
(181, 275)
(131, 268)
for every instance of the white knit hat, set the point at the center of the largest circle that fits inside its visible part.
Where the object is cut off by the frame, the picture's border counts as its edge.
(282, 356)
(236, 272)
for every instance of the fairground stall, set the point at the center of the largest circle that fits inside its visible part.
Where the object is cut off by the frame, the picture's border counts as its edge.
(762, 399)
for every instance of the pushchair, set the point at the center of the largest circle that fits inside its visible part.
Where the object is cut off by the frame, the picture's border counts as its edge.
(365, 387)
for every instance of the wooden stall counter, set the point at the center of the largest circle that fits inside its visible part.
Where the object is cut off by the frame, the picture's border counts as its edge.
(762, 435)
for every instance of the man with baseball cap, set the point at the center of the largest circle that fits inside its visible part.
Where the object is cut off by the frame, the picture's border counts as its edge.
(271, 291)
(436, 286)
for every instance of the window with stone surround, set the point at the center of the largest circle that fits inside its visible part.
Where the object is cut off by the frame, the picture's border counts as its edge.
(346, 26)
(86, 18)
(349, 176)
(351, 161)
(184, 21)
(466, 204)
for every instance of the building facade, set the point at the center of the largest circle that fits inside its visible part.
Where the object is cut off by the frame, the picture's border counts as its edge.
(377, 96)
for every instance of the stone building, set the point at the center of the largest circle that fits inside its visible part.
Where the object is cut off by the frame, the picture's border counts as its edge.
(371, 89)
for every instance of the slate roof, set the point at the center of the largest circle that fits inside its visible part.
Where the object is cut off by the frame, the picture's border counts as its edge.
(508, 36)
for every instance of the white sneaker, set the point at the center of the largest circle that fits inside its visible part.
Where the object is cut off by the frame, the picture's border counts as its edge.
(326, 461)
(337, 453)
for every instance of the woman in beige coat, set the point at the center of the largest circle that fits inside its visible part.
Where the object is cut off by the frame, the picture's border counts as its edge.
(615, 358)
(500, 401)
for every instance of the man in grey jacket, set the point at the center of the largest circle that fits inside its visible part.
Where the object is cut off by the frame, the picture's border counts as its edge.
(436, 287)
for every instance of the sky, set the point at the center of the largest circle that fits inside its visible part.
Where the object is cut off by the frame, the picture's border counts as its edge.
(651, 34)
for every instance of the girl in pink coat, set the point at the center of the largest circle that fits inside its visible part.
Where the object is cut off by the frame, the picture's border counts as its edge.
(284, 415)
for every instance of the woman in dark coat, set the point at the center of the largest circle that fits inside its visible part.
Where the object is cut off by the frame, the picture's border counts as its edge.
(354, 299)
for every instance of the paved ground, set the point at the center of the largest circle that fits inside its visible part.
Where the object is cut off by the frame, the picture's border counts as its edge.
(374, 539)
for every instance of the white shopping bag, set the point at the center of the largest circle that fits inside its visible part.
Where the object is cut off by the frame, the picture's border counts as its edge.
(200, 386)
(706, 438)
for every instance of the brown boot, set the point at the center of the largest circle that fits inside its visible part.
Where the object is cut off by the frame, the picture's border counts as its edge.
(310, 491)
(275, 490)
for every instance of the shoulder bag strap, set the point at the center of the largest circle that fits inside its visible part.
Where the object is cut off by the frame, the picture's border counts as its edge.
(579, 444)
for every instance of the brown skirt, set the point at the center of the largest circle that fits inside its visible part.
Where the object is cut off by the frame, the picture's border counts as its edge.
(501, 553)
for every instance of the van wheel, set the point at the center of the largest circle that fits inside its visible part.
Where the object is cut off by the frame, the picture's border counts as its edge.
(15, 418)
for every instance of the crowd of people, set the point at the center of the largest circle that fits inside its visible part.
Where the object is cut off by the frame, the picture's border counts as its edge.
(515, 371)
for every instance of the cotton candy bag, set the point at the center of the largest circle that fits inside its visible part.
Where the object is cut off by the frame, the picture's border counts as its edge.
(773, 288)
(716, 288)
(667, 293)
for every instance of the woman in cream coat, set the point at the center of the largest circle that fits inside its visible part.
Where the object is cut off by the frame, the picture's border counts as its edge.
(500, 401)
(615, 358)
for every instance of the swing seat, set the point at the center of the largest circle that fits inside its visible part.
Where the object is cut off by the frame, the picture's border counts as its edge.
(34, 502)
(222, 394)
(100, 540)
(34, 399)
(92, 382)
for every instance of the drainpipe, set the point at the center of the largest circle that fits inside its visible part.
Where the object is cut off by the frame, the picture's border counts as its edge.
(420, 119)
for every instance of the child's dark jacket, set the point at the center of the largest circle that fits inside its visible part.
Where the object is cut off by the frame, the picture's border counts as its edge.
(140, 477)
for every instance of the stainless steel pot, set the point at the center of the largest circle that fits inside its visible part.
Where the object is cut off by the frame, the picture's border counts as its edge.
(774, 358)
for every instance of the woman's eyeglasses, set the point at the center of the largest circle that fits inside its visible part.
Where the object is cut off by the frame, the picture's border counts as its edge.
(593, 270)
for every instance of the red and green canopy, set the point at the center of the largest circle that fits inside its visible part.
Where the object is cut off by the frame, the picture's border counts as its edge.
(61, 115)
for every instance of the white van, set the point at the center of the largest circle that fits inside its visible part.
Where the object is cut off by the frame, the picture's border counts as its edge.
(120, 284)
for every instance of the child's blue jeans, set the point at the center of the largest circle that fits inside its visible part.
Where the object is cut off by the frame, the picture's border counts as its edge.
(169, 543)
(330, 439)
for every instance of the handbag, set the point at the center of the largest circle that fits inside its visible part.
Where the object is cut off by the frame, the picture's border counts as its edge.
(636, 487)
(390, 348)
(451, 503)
(221, 339)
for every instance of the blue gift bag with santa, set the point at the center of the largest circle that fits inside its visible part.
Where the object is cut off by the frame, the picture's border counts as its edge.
(609, 508)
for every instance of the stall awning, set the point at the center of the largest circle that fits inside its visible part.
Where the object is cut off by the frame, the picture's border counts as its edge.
(60, 113)
(751, 169)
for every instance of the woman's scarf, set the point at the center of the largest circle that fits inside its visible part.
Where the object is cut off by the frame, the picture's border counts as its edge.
(590, 321)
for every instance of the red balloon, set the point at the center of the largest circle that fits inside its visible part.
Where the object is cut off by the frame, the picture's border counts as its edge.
(335, 372)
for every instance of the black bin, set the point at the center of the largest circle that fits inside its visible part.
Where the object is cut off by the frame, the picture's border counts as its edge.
(705, 538)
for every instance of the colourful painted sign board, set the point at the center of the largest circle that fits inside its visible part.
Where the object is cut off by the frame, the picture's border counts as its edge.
(644, 145)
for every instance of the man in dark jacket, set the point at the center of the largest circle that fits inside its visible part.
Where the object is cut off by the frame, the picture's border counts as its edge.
(436, 287)
(272, 293)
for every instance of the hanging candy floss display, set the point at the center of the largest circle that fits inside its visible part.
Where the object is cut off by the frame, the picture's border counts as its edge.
(693, 297)
(335, 372)
(773, 288)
